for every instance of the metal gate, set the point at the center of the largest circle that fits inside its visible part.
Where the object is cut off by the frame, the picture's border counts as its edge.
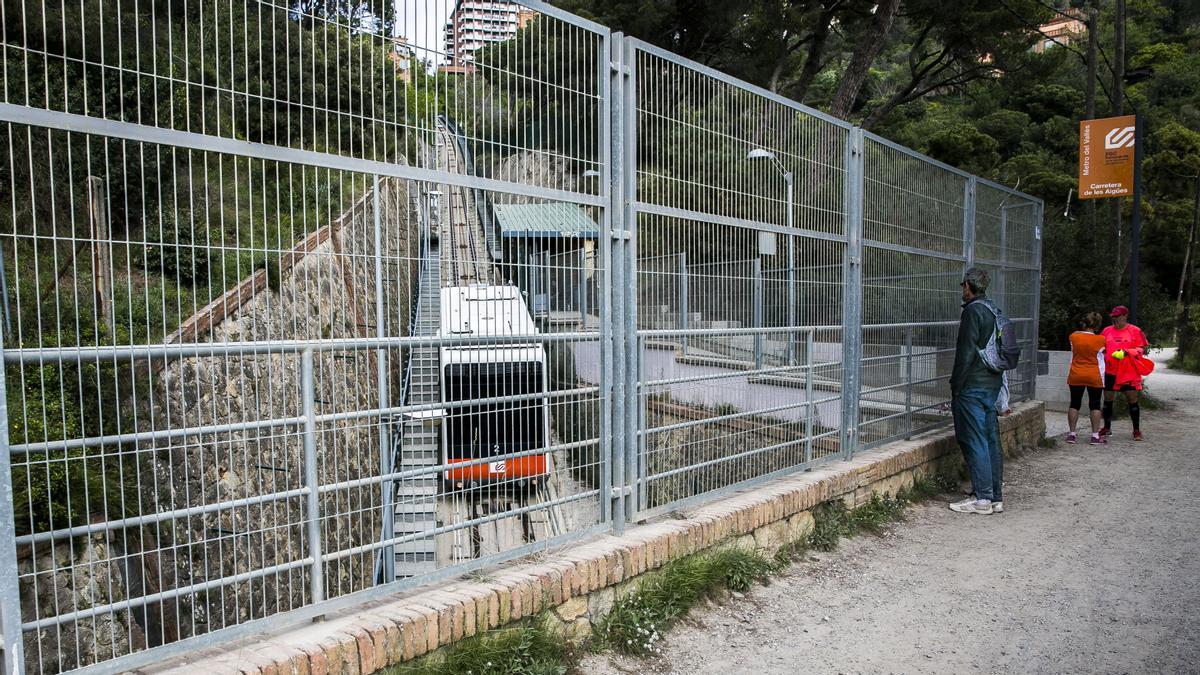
(297, 313)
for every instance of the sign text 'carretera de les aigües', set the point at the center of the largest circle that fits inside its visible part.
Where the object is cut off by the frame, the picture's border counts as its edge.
(1106, 157)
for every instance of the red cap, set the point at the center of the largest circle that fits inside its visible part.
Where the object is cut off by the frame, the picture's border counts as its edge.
(1119, 310)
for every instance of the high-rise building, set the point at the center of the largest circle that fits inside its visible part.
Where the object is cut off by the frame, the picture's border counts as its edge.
(476, 23)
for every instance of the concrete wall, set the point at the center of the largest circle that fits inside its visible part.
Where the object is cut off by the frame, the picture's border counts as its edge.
(1052, 380)
(580, 583)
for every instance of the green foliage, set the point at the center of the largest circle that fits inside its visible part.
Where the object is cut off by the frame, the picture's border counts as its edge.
(965, 146)
(175, 253)
(927, 487)
(534, 648)
(636, 622)
(1008, 127)
(832, 520)
(829, 525)
(64, 489)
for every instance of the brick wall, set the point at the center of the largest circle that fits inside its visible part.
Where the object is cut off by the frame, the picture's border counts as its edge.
(579, 583)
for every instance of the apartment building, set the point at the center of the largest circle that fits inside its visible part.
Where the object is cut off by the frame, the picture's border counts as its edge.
(476, 23)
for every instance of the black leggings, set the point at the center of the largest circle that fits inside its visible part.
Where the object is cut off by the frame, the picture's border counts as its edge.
(1094, 395)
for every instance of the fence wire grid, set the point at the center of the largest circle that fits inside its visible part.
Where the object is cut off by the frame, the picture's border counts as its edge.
(305, 303)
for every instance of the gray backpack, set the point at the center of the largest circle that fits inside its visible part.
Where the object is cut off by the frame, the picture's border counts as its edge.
(1002, 351)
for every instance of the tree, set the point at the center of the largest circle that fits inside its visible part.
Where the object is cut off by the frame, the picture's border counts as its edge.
(955, 44)
(869, 44)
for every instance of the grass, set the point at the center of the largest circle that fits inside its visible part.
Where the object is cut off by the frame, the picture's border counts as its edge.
(1186, 360)
(532, 648)
(832, 520)
(636, 622)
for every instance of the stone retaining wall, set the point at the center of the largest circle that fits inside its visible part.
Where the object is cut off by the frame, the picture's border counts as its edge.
(580, 582)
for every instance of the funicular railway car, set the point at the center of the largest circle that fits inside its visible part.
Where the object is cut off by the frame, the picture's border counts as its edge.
(490, 371)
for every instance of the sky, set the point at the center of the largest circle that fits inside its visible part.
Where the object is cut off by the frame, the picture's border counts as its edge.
(422, 23)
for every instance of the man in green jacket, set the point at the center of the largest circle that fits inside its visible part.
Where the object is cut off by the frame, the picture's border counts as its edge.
(973, 390)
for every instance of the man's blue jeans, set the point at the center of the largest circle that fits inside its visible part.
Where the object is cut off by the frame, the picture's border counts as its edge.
(977, 430)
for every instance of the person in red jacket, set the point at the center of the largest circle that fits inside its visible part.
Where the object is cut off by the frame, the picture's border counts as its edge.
(1124, 344)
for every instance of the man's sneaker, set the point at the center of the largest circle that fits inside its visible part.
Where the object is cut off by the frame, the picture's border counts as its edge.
(1097, 439)
(1137, 435)
(1072, 437)
(969, 500)
(1105, 431)
(973, 506)
(997, 507)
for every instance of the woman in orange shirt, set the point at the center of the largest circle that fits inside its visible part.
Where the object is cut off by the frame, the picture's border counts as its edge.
(1087, 373)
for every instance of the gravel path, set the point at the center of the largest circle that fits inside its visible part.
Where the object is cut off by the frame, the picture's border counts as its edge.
(1094, 567)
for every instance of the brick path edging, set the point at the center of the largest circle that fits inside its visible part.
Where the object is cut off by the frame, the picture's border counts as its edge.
(580, 582)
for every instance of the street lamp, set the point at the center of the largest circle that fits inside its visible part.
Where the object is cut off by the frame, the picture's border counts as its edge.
(762, 153)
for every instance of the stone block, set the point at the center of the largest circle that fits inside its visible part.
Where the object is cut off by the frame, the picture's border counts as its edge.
(600, 603)
(572, 609)
(579, 630)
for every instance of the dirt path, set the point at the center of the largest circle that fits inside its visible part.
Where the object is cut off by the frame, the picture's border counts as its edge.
(1094, 567)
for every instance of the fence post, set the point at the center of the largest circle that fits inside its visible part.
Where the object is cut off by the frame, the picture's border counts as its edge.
(312, 512)
(13, 658)
(581, 288)
(683, 298)
(809, 343)
(101, 262)
(969, 222)
(632, 344)
(387, 487)
(1001, 284)
(607, 78)
(852, 316)
(1039, 209)
(758, 312)
(908, 379)
(613, 293)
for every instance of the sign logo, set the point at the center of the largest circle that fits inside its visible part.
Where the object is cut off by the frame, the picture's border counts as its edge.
(1119, 138)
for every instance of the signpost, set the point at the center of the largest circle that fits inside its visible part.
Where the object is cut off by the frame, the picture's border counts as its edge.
(1110, 165)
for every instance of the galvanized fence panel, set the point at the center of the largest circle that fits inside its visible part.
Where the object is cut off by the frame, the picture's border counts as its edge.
(297, 314)
(739, 230)
(262, 356)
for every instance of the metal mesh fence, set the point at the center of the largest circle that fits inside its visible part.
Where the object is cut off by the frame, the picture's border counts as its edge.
(305, 303)
(740, 240)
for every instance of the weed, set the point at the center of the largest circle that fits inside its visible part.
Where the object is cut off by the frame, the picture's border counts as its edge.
(829, 526)
(927, 487)
(635, 623)
(832, 520)
(792, 550)
(743, 568)
(874, 515)
(533, 648)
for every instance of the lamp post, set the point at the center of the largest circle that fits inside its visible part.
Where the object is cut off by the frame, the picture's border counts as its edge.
(761, 153)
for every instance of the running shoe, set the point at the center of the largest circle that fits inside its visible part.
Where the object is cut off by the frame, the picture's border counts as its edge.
(997, 507)
(1097, 439)
(969, 500)
(1137, 435)
(974, 506)
(1105, 431)
(1072, 437)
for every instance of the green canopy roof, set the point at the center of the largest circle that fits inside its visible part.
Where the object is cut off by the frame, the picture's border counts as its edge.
(545, 220)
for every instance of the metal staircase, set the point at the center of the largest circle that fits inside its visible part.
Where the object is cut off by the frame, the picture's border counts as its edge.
(417, 498)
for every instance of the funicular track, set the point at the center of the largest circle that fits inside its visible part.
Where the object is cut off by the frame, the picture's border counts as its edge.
(456, 254)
